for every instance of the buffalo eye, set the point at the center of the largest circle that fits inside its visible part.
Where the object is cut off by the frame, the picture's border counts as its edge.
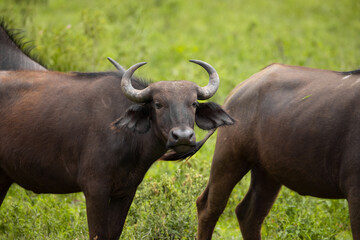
(158, 105)
(194, 104)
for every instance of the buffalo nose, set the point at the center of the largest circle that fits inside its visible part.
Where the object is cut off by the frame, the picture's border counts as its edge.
(180, 136)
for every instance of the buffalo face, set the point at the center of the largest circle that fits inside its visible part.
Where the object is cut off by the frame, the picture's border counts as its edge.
(173, 113)
(171, 108)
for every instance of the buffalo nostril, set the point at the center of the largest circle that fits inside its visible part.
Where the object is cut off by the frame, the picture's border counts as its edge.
(191, 135)
(174, 135)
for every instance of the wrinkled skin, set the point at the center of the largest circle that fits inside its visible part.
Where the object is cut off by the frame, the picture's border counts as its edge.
(295, 126)
(64, 133)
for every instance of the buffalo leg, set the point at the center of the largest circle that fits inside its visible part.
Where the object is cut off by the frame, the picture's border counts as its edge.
(97, 208)
(225, 173)
(5, 183)
(354, 210)
(257, 203)
(118, 211)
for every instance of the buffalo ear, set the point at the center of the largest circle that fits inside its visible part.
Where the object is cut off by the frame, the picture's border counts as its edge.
(136, 118)
(210, 116)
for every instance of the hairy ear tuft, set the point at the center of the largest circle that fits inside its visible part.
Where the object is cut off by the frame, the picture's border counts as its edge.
(211, 115)
(136, 119)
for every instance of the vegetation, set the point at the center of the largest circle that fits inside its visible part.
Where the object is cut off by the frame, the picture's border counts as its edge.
(238, 38)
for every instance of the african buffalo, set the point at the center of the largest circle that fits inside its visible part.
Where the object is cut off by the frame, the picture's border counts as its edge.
(97, 133)
(13, 54)
(295, 126)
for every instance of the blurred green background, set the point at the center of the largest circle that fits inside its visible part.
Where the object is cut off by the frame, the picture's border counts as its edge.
(238, 38)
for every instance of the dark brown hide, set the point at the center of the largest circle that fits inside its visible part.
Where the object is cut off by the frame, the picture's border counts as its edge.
(297, 127)
(57, 136)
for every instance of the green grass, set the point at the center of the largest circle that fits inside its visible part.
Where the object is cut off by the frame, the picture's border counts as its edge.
(238, 38)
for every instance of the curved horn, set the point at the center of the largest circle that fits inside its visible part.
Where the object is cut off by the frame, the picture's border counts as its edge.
(214, 81)
(117, 65)
(130, 92)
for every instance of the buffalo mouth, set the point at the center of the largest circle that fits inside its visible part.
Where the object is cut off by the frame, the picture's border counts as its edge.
(182, 148)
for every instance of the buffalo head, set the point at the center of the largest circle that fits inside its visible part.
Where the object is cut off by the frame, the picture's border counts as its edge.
(171, 108)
